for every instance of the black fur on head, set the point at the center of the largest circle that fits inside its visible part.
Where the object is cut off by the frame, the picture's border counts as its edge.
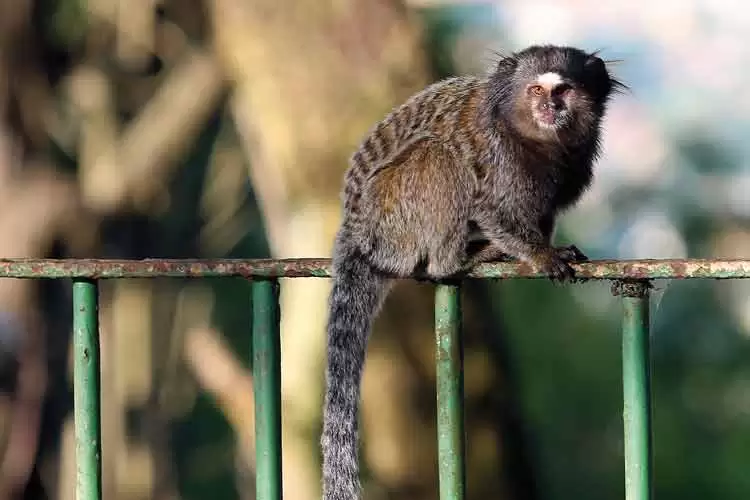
(550, 93)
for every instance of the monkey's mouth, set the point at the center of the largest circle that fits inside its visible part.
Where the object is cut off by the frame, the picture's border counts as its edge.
(548, 116)
(551, 118)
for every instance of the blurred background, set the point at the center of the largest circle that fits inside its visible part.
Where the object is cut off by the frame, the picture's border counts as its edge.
(221, 128)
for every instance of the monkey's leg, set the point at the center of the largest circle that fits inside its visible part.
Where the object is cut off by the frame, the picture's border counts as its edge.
(394, 221)
(421, 205)
(447, 258)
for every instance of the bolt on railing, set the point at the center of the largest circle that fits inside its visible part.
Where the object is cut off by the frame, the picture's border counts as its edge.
(631, 281)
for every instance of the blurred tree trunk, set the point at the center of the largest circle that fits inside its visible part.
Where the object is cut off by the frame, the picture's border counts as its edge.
(309, 81)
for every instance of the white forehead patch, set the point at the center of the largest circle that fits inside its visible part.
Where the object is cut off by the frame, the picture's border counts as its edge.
(550, 79)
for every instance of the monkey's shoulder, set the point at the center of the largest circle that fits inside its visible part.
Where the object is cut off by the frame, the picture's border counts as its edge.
(438, 109)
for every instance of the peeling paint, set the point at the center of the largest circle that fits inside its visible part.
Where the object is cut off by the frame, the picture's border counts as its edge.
(321, 268)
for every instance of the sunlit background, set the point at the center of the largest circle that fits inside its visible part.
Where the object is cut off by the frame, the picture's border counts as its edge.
(222, 128)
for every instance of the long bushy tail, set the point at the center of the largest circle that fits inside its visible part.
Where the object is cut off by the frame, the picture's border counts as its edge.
(358, 291)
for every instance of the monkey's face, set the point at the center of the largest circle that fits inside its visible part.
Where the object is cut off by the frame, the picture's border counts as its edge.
(551, 100)
(552, 93)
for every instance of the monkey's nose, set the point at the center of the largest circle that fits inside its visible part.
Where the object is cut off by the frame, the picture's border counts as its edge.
(554, 105)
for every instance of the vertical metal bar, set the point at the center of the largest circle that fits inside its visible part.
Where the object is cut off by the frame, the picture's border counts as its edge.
(450, 383)
(636, 379)
(87, 398)
(267, 388)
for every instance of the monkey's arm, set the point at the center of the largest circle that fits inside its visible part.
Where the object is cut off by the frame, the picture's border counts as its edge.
(520, 238)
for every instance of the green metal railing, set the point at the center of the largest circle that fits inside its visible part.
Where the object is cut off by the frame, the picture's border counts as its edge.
(631, 280)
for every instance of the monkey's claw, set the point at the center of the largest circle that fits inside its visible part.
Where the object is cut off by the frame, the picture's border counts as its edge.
(571, 254)
(557, 268)
(562, 272)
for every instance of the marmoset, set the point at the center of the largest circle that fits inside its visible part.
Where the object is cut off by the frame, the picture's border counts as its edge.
(492, 159)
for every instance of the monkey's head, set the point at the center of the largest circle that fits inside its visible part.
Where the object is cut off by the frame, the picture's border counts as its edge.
(551, 93)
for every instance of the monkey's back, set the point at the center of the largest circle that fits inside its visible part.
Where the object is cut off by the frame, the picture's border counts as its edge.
(410, 181)
(445, 110)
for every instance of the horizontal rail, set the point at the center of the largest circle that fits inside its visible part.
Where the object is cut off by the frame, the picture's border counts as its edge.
(631, 282)
(321, 268)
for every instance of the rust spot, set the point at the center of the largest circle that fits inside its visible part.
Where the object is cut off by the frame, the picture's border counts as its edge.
(631, 288)
(321, 268)
(680, 269)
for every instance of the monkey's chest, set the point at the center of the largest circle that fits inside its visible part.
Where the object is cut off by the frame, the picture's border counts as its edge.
(558, 188)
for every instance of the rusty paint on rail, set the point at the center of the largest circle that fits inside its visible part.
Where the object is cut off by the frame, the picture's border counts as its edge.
(321, 268)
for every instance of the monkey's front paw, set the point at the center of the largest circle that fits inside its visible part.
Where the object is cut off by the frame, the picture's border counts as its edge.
(556, 267)
(571, 254)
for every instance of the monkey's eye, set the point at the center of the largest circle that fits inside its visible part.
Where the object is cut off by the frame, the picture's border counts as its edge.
(536, 90)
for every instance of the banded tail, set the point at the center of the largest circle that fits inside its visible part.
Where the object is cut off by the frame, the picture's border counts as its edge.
(358, 291)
